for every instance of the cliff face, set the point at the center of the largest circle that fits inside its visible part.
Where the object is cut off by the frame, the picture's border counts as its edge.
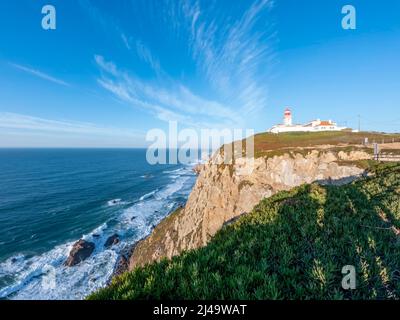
(224, 192)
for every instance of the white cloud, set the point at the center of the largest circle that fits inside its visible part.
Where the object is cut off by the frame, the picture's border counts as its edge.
(111, 25)
(172, 101)
(25, 125)
(145, 54)
(126, 41)
(234, 55)
(40, 74)
(232, 52)
(105, 65)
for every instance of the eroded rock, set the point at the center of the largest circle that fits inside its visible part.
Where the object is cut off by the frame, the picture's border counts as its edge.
(80, 251)
(224, 192)
(121, 265)
(112, 240)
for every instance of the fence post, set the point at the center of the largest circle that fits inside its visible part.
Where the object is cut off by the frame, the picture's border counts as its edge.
(376, 152)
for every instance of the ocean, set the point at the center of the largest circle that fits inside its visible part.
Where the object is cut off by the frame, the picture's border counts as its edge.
(50, 198)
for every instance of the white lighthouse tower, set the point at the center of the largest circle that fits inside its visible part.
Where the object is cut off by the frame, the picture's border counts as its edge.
(287, 120)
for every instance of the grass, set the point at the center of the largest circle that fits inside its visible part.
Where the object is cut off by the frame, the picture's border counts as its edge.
(291, 246)
(268, 144)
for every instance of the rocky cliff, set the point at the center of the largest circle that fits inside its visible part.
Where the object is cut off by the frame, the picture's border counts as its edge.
(224, 192)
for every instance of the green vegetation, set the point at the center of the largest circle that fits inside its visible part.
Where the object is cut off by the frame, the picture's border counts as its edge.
(291, 246)
(268, 144)
(269, 141)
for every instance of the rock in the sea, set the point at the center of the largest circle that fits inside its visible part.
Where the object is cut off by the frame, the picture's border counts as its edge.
(121, 266)
(114, 239)
(81, 250)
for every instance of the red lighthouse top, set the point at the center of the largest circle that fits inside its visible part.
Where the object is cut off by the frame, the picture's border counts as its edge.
(288, 112)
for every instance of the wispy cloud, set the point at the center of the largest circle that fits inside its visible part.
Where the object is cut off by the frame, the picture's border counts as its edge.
(171, 101)
(126, 41)
(25, 122)
(134, 45)
(106, 66)
(234, 54)
(40, 74)
(231, 51)
(146, 55)
(143, 52)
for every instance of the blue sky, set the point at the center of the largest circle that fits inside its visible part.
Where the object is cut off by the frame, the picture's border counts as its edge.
(112, 70)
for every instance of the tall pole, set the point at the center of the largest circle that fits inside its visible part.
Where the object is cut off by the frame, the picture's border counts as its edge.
(359, 123)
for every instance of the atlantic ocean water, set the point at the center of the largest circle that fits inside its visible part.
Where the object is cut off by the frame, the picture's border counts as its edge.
(50, 198)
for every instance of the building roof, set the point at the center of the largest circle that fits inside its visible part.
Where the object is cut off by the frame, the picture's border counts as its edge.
(326, 123)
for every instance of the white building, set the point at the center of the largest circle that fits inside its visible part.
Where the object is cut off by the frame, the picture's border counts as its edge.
(313, 126)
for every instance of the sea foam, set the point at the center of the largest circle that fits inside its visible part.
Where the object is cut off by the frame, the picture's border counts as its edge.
(45, 276)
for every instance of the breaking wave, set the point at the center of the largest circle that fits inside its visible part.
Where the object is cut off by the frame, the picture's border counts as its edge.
(45, 276)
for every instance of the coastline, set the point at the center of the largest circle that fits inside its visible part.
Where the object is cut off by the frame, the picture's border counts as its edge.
(224, 192)
(44, 276)
(122, 263)
(183, 215)
(133, 252)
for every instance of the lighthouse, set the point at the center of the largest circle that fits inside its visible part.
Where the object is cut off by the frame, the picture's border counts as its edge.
(287, 120)
(312, 126)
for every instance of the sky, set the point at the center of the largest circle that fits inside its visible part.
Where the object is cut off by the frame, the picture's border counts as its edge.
(113, 70)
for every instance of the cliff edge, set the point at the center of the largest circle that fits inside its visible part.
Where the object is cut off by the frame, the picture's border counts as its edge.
(222, 193)
(291, 246)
